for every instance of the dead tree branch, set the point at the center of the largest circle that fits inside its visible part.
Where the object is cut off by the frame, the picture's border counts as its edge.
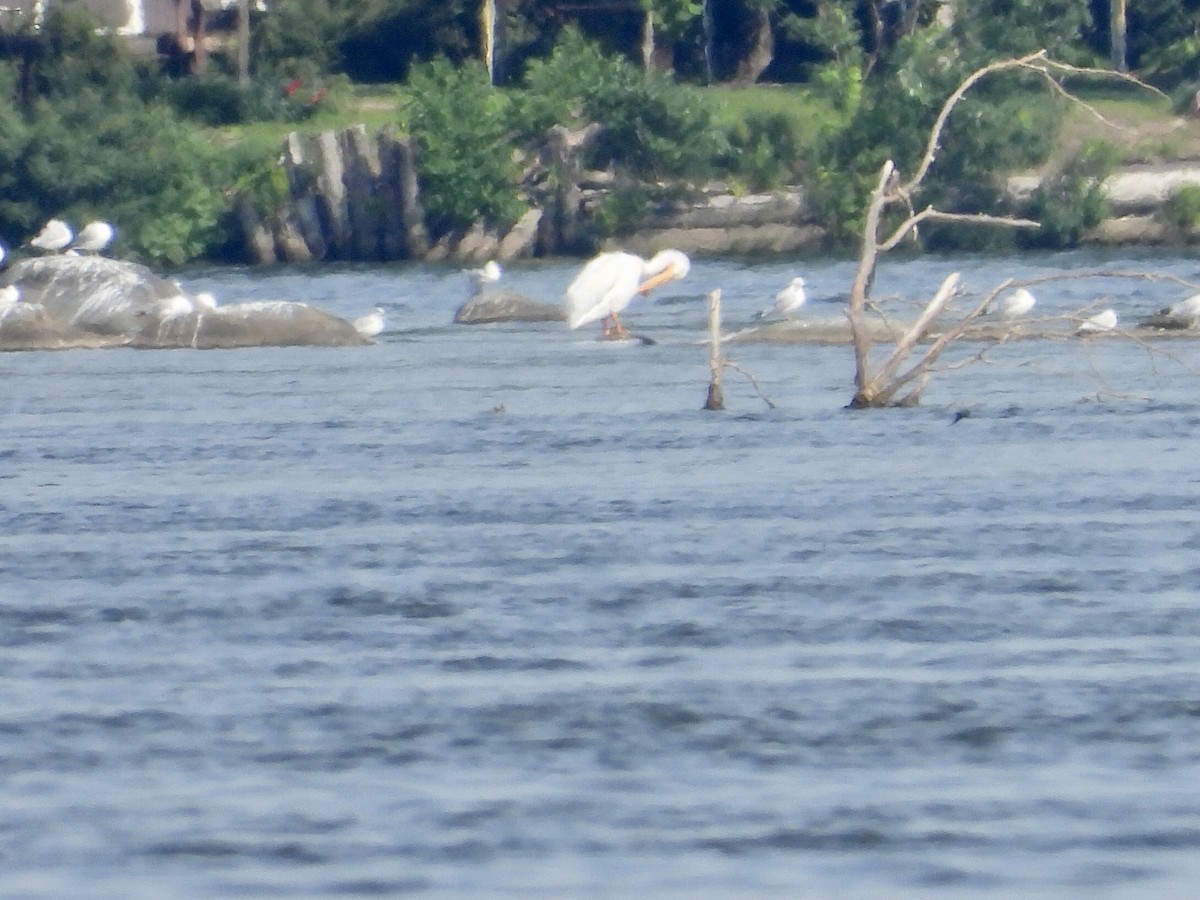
(880, 386)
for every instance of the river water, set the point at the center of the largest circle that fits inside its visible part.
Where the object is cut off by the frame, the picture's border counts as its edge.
(499, 611)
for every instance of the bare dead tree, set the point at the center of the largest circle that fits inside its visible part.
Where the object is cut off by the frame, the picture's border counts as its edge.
(718, 362)
(897, 381)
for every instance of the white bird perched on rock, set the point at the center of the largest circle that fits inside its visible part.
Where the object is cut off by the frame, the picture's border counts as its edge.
(55, 236)
(488, 273)
(371, 324)
(787, 301)
(610, 281)
(204, 301)
(10, 295)
(1013, 305)
(1101, 321)
(94, 237)
(3, 255)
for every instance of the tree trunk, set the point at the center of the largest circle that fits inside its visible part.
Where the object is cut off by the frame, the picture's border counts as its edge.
(706, 19)
(244, 42)
(716, 398)
(487, 30)
(761, 52)
(1116, 30)
(648, 41)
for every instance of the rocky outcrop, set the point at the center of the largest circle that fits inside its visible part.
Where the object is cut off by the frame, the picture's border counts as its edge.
(507, 306)
(272, 323)
(1130, 190)
(1134, 194)
(89, 301)
(355, 196)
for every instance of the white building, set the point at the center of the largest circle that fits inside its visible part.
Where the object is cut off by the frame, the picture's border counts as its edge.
(130, 17)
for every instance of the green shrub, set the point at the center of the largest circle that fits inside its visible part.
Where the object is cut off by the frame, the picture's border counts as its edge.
(466, 167)
(764, 150)
(1182, 209)
(1072, 201)
(136, 166)
(653, 128)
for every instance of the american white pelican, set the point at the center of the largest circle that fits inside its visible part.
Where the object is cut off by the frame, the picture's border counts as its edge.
(371, 324)
(1101, 321)
(787, 301)
(9, 295)
(94, 237)
(204, 301)
(608, 283)
(55, 235)
(1013, 305)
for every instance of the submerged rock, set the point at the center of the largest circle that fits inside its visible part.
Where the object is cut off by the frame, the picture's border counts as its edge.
(507, 306)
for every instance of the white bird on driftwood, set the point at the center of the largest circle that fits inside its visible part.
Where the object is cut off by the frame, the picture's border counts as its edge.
(1013, 305)
(3, 255)
(610, 281)
(371, 324)
(55, 236)
(1101, 321)
(1188, 307)
(94, 237)
(787, 301)
(204, 301)
(10, 295)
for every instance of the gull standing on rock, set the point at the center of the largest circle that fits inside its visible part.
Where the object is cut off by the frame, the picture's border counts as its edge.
(488, 273)
(787, 301)
(94, 237)
(55, 236)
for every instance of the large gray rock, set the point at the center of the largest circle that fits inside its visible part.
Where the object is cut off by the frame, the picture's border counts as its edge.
(90, 301)
(27, 326)
(507, 306)
(271, 323)
(92, 293)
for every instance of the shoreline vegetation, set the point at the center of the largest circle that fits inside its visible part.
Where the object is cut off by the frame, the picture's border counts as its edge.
(333, 192)
(582, 150)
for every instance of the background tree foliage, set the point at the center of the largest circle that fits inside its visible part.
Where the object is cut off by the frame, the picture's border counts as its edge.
(85, 130)
(88, 146)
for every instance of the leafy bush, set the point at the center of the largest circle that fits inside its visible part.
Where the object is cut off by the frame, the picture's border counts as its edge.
(133, 165)
(652, 127)
(1182, 209)
(1071, 202)
(218, 100)
(466, 167)
(764, 149)
(298, 39)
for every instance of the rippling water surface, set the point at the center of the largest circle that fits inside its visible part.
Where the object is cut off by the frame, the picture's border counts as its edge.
(498, 611)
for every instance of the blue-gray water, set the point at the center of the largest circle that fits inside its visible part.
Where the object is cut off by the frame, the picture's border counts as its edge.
(284, 623)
